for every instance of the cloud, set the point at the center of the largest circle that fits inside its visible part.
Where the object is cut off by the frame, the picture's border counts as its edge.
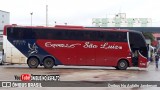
(77, 12)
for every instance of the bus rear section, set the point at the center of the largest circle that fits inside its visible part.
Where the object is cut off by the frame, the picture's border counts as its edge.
(11, 54)
(73, 46)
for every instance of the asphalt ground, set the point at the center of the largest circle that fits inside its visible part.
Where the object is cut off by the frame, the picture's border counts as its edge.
(82, 73)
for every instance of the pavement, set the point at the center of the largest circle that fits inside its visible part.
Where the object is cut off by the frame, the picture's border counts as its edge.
(83, 73)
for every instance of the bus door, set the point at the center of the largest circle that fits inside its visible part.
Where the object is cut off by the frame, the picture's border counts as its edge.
(135, 57)
(138, 46)
(142, 63)
(138, 60)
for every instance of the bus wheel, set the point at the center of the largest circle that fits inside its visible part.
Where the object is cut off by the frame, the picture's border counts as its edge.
(122, 65)
(33, 62)
(48, 62)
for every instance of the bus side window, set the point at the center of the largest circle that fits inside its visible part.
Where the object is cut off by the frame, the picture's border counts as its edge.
(49, 36)
(101, 36)
(122, 36)
(32, 34)
(112, 36)
(107, 37)
(71, 35)
(10, 32)
(94, 36)
(28, 33)
(80, 35)
(53, 32)
(20, 34)
(87, 35)
(59, 34)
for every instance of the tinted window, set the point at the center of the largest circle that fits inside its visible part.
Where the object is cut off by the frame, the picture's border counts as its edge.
(34, 33)
(113, 36)
(20, 33)
(138, 42)
(11, 33)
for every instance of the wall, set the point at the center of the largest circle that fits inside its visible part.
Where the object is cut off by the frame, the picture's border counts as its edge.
(4, 19)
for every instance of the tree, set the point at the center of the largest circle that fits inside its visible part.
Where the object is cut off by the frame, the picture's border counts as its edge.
(148, 35)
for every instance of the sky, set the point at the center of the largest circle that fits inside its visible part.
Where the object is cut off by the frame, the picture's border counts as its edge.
(77, 12)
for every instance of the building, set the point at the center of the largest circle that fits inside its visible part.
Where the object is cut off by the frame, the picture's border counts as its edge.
(120, 20)
(4, 19)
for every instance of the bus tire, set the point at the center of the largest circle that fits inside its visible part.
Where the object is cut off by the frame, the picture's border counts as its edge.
(48, 62)
(122, 65)
(33, 62)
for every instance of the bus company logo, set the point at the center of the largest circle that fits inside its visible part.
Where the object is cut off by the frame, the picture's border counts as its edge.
(50, 44)
(105, 45)
(31, 77)
(19, 42)
(32, 48)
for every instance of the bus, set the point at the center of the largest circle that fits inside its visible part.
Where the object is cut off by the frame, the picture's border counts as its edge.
(74, 45)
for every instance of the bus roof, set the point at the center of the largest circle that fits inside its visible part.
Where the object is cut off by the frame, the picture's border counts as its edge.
(66, 27)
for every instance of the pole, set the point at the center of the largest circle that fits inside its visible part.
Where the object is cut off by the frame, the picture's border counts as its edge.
(31, 17)
(46, 15)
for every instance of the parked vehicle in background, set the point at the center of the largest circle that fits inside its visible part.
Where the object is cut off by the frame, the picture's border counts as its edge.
(74, 45)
